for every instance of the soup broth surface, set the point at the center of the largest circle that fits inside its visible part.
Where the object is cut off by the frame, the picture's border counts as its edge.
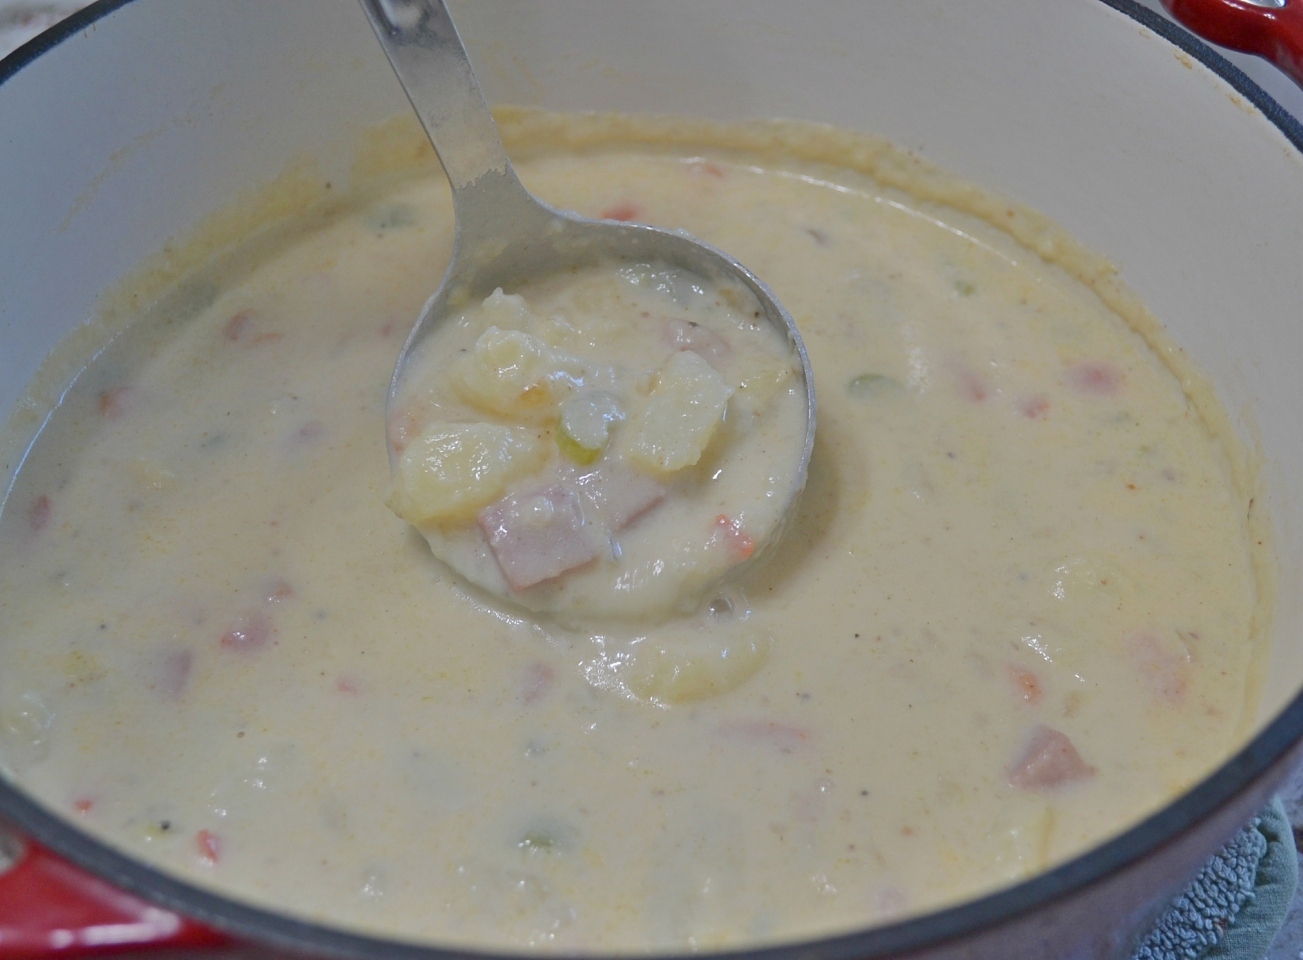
(1014, 613)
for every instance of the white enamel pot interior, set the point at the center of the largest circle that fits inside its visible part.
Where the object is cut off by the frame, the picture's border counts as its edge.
(125, 127)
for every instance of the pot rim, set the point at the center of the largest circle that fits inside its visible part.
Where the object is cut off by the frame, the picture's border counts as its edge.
(1094, 866)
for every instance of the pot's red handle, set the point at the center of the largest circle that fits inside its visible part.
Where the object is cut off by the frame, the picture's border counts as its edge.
(49, 907)
(1272, 32)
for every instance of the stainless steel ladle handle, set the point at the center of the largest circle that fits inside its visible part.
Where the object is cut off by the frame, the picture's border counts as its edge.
(427, 54)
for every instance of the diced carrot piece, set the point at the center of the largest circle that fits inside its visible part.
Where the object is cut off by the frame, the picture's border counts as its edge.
(210, 846)
(741, 545)
(113, 403)
(621, 211)
(1027, 684)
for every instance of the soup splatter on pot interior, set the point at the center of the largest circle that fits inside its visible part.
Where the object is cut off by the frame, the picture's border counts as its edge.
(1016, 611)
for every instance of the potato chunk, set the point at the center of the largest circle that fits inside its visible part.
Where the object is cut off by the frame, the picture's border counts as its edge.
(686, 406)
(683, 673)
(515, 374)
(453, 470)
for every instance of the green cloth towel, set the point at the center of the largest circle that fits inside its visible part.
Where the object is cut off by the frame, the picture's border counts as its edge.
(1235, 907)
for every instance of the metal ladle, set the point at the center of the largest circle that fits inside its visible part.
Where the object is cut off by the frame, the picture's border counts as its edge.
(504, 233)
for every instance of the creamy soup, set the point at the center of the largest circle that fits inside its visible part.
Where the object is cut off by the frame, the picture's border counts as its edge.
(1016, 611)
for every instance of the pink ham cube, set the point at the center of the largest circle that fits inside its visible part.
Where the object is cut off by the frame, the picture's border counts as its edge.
(539, 535)
(618, 495)
(1049, 761)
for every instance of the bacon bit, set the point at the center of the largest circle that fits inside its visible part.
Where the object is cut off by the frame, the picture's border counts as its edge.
(173, 674)
(1048, 762)
(1027, 684)
(1036, 407)
(347, 685)
(113, 403)
(971, 385)
(784, 736)
(621, 211)
(707, 167)
(38, 513)
(210, 846)
(262, 338)
(234, 328)
(83, 806)
(249, 632)
(1097, 378)
(538, 680)
(730, 531)
(1165, 666)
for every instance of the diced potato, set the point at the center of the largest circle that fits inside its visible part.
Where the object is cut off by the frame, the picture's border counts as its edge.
(685, 407)
(506, 309)
(516, 375)
(760, 378)
(453, 470)
(682, 673)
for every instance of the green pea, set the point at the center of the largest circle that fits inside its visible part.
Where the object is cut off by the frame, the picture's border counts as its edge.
(869, 385)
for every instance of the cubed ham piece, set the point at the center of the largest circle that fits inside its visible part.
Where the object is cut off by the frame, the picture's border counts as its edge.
(537, 536)
(687, 335)
(1049, 761)
(618, 495)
